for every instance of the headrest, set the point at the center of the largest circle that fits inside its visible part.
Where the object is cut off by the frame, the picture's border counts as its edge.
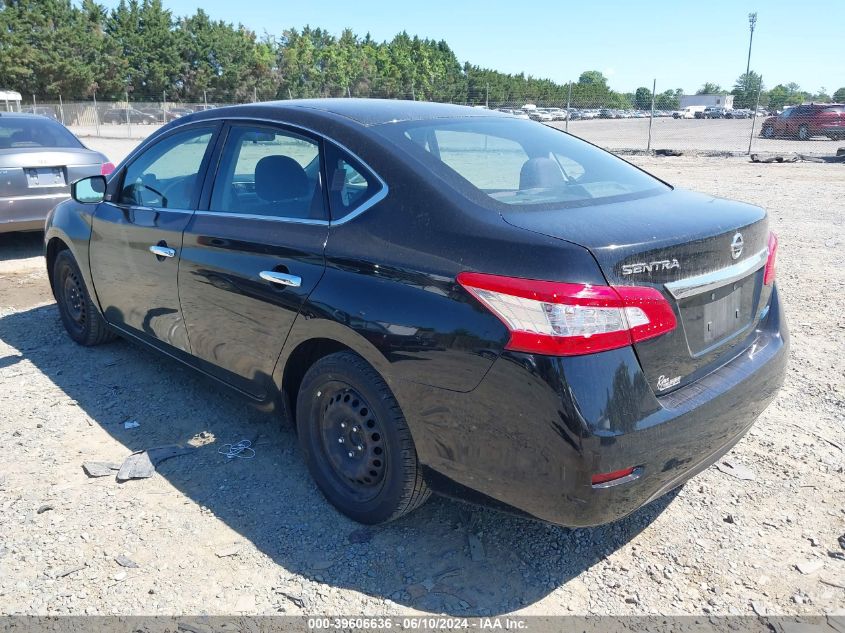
(280, 178)
(539, 173)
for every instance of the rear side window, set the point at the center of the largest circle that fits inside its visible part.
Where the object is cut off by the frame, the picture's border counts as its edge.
(25, 132)
(836, 109)
(506, 161)
(351, 185)
(269, 172)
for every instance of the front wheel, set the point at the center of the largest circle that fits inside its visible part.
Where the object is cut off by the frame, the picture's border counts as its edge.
(803, 133)
(80, 316)
(356, 441)
(768, 131)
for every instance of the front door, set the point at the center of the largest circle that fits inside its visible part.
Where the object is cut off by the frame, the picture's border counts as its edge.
(137, 235)
(251, 258)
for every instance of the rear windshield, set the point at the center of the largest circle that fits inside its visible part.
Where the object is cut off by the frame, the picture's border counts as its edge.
(519, 163)
(25, 132)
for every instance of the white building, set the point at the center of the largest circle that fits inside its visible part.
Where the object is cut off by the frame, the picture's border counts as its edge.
(725, 101)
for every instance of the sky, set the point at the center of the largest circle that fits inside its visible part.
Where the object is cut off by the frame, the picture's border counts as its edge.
(680, 43)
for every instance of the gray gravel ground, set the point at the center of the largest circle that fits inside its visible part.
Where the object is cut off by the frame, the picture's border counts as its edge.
(217, 536)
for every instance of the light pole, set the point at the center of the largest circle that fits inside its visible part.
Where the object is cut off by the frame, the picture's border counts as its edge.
(752, 22)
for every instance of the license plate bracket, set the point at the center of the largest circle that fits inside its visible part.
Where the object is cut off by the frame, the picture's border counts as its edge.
(715, 316)
(37, 177)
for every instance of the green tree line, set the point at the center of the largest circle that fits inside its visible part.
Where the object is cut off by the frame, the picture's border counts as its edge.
(58, 47)
(748, 87)
(78, 49)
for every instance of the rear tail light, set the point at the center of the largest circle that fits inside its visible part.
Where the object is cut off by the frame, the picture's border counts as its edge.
(560, 319)
(769, 274)
(106, 169)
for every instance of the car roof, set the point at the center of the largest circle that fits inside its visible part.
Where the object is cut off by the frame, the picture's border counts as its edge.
(370, 112)
(24, 115)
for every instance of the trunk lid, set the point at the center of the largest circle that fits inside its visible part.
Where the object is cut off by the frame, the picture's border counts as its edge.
(35, 171)
(683, 244)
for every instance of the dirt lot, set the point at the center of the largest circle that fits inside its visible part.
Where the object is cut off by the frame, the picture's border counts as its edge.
(217, 536)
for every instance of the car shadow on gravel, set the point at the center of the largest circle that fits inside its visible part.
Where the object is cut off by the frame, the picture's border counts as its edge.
(446, 557)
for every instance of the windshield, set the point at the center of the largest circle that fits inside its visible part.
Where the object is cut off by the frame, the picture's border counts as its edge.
(517, 162)
(34, 132)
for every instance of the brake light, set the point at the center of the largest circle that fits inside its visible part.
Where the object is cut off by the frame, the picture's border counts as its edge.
(106, 169)
(560, 319)
(769, 273)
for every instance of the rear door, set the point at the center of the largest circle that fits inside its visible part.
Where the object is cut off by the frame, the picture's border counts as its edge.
(137, 235)
(254, 253)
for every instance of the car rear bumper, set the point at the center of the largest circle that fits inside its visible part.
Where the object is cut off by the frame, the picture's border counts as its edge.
(27, 213)
(536, 430)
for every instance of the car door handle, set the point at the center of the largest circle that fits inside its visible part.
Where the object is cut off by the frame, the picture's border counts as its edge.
(162, 251)
(283, 279)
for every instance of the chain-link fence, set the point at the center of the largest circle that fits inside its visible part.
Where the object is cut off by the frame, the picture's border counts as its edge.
(618, 122)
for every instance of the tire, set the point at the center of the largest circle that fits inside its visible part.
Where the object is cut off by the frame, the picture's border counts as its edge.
(80, 316)
(803, 133)
(356, 441)
(768, 131)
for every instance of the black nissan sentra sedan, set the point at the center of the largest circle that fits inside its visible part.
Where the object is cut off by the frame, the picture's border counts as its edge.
(440, 298)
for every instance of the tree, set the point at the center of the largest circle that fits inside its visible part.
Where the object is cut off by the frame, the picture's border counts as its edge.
(746, 89)
(669, 100)
(710, 88)
(839, 95)
(642, 99)
(592, 78)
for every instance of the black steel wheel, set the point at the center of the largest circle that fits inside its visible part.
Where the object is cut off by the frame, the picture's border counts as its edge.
(80, 316)
(356, 441)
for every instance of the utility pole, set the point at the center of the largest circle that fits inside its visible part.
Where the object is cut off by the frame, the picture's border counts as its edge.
(752, 22)
(254, 94)
(205, 98)
(487, 97)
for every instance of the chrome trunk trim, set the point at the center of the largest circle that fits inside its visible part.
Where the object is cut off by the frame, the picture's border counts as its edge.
(691, 286)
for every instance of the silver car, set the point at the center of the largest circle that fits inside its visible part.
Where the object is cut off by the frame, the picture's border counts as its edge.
(39, 158)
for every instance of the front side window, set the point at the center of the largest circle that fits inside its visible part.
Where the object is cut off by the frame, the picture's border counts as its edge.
(269, 172)
(519, 163)
(166, 175)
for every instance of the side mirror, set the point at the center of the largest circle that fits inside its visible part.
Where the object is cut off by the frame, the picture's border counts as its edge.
(91, 190)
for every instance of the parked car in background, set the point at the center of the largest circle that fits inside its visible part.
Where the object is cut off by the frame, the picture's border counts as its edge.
(48, 111)
(714, 112)
(180, 110)
(486, 307)
(540, 115)
(739, 113)
(161, 115)
(39, 158)
(118, 116)
(806, 121)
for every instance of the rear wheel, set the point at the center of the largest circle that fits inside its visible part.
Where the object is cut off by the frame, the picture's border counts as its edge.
(356, 441)
(80, 316)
